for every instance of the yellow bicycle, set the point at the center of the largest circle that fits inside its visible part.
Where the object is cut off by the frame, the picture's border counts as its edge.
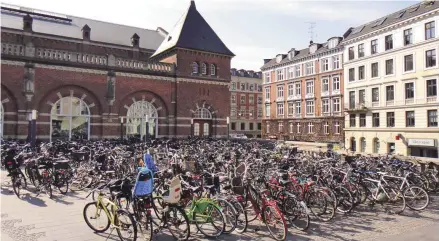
(103, 213)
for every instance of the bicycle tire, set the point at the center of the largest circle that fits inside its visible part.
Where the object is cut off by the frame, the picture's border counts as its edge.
(230, 214)
(394, 196)
(242, 220)
(178, 210)
(219, 228)
(130, 222)
(409, 198)
(268, 219)
(84, 213)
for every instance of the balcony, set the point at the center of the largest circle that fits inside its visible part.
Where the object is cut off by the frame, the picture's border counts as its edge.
(280, 99)
(432, 99)
(335, 92)
(309, 96)
(294, 97)
(357, 108)
(325, 94)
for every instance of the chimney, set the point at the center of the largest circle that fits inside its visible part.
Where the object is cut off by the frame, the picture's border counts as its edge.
(311, 42)
(27, 23)
(193, 4)
(162, 31)
(86, 32)
(135, 40)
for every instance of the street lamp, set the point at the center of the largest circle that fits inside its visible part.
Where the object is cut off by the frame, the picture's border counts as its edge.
(121, 128)
(192, 127)
(228, 126)
(147, 127)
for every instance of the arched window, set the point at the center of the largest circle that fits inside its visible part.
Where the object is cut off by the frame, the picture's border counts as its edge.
(353, 144)
(206, 129)
(376, 145)
(212, 69)
(136, 119)
(203, 68)
(1, 120)
(196, 129)
(203, 113)
(194, 68)
(70, 119)
(363, 144)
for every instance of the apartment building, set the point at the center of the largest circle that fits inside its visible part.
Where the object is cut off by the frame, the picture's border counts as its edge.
(246, 102)
(303, 94)
(391, 83)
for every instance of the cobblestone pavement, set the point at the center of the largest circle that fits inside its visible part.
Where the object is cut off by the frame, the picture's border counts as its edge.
(60, 219)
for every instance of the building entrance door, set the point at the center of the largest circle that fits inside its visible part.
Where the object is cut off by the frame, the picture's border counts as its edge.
(203, 128)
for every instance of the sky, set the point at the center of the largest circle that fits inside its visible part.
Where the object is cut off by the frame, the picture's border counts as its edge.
(252, 29)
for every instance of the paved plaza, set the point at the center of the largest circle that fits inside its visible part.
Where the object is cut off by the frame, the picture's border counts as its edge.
(60, 219)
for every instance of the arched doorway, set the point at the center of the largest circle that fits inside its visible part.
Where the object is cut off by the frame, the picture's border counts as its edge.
(202, 122)
(363, 144)
(376, 145)
(70, 120)
(136, 119)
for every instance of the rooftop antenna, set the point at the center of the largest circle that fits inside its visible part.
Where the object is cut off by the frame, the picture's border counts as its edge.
(311, 27)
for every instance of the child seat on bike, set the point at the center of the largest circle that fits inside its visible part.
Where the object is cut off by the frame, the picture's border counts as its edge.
(144, 183)
(173, 195)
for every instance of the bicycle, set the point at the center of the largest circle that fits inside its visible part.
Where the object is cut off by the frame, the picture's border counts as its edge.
(119, 219)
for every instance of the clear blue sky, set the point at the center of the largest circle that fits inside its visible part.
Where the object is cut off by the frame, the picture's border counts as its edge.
(252, 29)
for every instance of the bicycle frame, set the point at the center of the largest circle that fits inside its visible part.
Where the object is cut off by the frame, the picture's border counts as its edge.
(111, 215)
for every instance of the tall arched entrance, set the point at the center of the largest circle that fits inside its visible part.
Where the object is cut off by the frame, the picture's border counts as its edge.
(202, 122)
(70, 120)
(136, 119)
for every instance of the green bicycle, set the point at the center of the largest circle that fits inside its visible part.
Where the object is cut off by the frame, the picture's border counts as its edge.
(207, 216)
(100, 214)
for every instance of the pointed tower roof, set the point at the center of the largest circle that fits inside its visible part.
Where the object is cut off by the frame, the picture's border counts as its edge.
(193, 32)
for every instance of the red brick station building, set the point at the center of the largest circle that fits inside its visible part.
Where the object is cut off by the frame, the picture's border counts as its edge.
(84, 77)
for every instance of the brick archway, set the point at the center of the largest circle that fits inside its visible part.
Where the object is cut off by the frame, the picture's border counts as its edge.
(9, 113)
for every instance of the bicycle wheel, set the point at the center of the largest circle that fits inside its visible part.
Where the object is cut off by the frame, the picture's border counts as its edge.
(125, 225)
(242, 221)
(296, 213)
(96, 218)
(178, 223)
(144, 226)
(211, 214)
(416, 198)
(230, 214)
(392, 199)
(62, 185)
(275, 222)
(345, 199)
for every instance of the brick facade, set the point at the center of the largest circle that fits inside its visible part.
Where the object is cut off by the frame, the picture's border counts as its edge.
(108, 79)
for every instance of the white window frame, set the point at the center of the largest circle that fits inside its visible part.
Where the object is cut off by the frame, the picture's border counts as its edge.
(298, 91)
(336, 105)
(280, 91)
(325, 128)
(194, 68)
(291, 127)
(290, 108)
(337, 128)
(298, 107)
(378, 71)
(336, 83)
(336, 62)
(280, 109)
(298, 127)
(280, 74)
(310, 107)
(414, 63)
(425, 58)
(326, 102)
(393, 65)
(290, 72)
(297, 71)
(267, 93)
(212, 69)
(310, 128)
(280, 127)
(310, 68)
(267, 110)
(267, 77)
(325, 65)
(204, 68)
(311, 87)
(323, 85)
(290, 89)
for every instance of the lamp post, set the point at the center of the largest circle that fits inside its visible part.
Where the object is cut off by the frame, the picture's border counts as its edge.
(33, 127)
(228, 127)
(146, 127)
(121, 128)
(192, 127)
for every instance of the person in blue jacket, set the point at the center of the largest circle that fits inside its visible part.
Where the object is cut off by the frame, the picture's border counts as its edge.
(149, 162)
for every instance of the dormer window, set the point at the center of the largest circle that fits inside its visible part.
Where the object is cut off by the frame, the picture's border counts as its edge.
(135, 40)
(333, 43)
(194, 68)
(212, 69)
(203, 69)
(278, 58)
(86, 32)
